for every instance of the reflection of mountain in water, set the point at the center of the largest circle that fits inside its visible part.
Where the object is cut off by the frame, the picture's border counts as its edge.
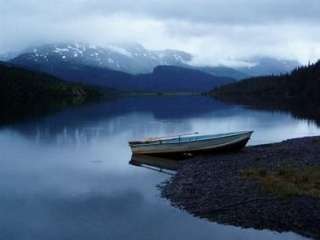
(138, 117)
(167, 107)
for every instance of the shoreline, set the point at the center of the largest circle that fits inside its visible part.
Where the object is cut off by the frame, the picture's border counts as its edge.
(212, 187)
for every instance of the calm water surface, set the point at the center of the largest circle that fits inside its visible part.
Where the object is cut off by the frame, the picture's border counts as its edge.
(67, 176)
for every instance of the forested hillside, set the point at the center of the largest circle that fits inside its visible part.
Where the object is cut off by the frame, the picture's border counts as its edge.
(24, 92)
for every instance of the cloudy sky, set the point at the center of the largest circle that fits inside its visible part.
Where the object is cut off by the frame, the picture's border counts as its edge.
(214, 31)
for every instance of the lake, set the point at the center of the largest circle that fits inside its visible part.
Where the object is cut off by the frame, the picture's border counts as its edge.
(66, 176)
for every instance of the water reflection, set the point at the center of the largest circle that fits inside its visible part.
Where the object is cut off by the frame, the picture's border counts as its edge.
(156, 116)
(67, 176)
(162, 165)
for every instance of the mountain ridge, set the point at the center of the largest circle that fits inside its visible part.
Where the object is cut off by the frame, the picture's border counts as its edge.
(179, 79)
(135, 59)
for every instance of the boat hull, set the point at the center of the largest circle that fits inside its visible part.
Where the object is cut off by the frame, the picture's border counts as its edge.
(215, 145)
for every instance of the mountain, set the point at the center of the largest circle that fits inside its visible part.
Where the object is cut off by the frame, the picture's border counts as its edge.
(259, 66)
(162, 78)
(133, 58)
(24, 92)
(223, 71)
(262, 66)
(7, 56)
(77, 72)
(173, 78)
(123, 67)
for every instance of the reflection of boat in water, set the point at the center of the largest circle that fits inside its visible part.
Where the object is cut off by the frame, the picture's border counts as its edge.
(184, 144)
(164, 165)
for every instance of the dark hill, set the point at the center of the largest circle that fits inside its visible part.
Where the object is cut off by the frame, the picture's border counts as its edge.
(24, 92)
(172, 78)
(302, 83)
(297, 92)
(74, 72)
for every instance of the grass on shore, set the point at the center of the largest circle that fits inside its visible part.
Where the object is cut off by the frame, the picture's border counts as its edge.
(288, 181)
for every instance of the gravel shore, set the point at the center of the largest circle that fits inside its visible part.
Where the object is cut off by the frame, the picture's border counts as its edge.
(212, 187)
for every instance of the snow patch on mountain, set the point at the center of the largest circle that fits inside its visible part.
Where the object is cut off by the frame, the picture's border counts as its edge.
(120, 50)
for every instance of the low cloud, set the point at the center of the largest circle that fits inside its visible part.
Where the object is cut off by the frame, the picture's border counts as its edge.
(215, 31)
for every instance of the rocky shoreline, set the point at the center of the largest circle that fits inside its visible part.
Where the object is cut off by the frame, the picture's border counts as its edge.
(212, 187)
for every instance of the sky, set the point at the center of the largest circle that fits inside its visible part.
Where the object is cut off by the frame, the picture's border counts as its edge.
(214, 31)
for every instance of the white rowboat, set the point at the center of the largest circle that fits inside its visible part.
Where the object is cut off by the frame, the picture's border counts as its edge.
(185, 144)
